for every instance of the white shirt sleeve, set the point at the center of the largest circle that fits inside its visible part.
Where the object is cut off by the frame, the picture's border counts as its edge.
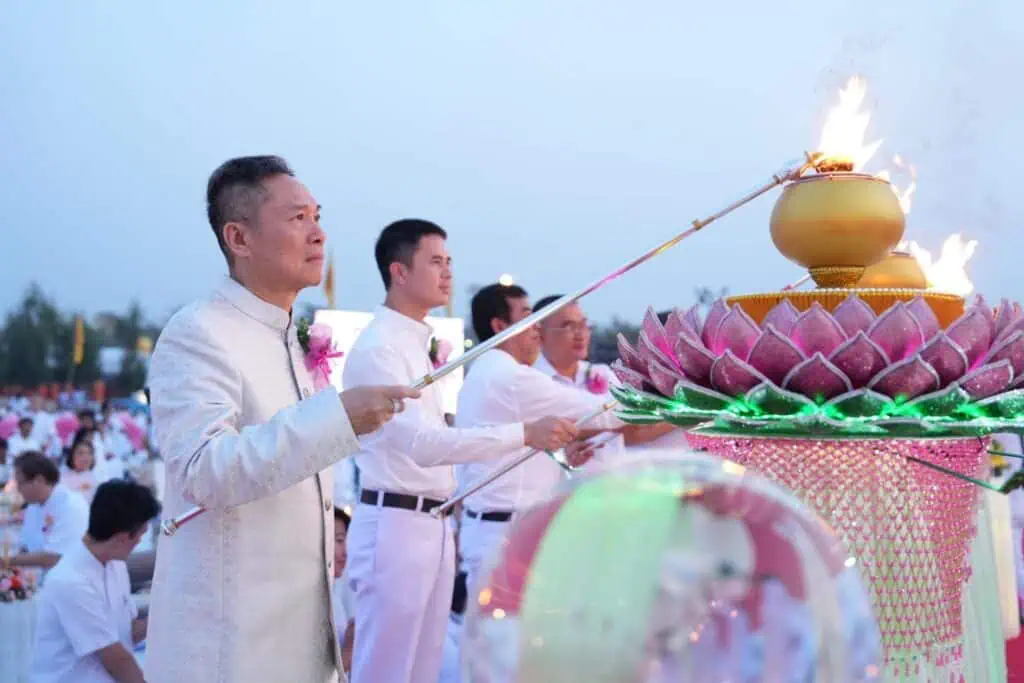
(425, 444)
(83, 614)
(540, 395)
(196, 401)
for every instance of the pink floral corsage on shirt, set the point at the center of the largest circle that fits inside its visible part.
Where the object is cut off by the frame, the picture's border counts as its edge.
(319, 348)
(596, 381)
(439, 352)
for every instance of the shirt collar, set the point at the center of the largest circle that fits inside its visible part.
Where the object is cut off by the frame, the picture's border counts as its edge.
(403, 324)
(87, 561)
(253, 306)
(545, 366)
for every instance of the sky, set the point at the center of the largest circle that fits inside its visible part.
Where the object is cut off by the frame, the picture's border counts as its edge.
(553, 140)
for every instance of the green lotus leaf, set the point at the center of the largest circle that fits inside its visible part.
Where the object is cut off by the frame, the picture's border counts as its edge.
(768, 399)
(938, 404)
(1008, 406)
(641, 400)
(862, 403)
(909, 427)
(639, 417)
(701, 398)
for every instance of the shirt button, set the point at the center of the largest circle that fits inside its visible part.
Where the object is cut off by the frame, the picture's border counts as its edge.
(328, 505)
(330, 564)
(305, 393)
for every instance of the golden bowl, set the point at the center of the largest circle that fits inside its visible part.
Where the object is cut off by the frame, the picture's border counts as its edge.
(837, 224)
(898, 270)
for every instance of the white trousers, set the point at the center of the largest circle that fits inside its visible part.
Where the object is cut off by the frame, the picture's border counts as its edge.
(479, 543)
(401, 569)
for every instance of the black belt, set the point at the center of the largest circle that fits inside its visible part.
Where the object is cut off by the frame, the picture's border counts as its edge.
(493, 516)
(400, 500)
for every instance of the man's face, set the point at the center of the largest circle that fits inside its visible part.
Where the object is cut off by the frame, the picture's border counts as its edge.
(32, 490)
(526, 345)
(566, 336)
(25, 428)
(124, 542)
(285, 246)
(428, 280)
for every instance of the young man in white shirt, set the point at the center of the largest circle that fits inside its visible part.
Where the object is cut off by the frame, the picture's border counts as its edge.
(87, 622)
(401, 559)
(22, 441)
(55, 518)
(565, 348)
(503, 388)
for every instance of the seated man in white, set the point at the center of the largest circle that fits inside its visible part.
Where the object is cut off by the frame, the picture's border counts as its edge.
(341, 596)
(55, 518)
(87, 621)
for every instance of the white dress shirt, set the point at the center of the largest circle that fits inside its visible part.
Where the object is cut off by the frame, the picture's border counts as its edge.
(499, 390)
(84, 607)
(18, 444)
(56, 525)
(413, 453)
(611, 446)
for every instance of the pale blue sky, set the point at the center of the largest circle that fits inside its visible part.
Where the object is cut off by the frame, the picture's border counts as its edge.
(554, 139)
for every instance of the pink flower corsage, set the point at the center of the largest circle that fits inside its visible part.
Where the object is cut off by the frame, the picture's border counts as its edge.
(439, 352)
(47, 523)
(318, 345)
(596, 381)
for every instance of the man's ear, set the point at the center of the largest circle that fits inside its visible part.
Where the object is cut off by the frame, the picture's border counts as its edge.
(498, 325)
(236, 239)
(399, 273)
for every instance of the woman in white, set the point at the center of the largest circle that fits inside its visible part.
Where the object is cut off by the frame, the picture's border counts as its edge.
(77, 473)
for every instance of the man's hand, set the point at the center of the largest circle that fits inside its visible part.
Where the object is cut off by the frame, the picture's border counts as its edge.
(550, 433)
(370, 407)
(578, 453)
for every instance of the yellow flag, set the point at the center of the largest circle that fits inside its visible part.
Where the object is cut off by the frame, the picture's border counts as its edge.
(329, 282)
(79, 350)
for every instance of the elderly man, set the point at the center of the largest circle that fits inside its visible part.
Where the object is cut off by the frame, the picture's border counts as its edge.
(242, 593)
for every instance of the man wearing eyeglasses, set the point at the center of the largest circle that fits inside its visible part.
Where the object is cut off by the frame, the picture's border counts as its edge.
(565, 347)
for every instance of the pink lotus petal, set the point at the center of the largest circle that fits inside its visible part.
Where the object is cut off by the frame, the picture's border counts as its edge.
(947, 359)
(715, 315)
(1007, 314)
(1011, 329)
(629, 355)
(1017, 382)
(988, 380)
(655, 332)
(973, 333)
(782, 317)
(664, 379)
(695, 360)
(649, 352)
(854, 315)
(908, 378)
(1012, 349)
(986, 310)
(816, 331)
(733, 377)
(817, 379)
(628, 376)
(774, 355)
(859, 359)
(924, 314)
(737, 332)
(674, 324)
(897, 332)
(692, 318)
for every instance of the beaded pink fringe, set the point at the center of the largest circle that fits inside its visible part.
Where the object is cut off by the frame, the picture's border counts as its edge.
(908, 526)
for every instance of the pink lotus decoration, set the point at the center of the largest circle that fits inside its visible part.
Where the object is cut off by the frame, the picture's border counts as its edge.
(8, 425)
(821, 358)
(132, 431)
(66, 425)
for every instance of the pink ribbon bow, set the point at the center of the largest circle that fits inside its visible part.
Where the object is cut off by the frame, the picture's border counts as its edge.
(321, 353)
(597, 382)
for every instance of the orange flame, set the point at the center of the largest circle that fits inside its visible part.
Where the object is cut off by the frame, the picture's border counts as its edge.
(842, 137)
(947, 274)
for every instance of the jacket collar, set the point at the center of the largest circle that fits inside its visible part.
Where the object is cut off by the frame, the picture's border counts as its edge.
(244, 300)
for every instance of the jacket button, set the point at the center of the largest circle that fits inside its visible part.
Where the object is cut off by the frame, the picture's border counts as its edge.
(328, 505)
(305, 393)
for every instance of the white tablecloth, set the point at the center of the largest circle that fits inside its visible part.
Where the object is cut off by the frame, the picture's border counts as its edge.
(17, 630)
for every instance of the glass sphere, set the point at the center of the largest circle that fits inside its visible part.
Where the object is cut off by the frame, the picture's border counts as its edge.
(677, 568)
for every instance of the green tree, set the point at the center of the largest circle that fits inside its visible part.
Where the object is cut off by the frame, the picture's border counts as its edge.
(36, 344)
